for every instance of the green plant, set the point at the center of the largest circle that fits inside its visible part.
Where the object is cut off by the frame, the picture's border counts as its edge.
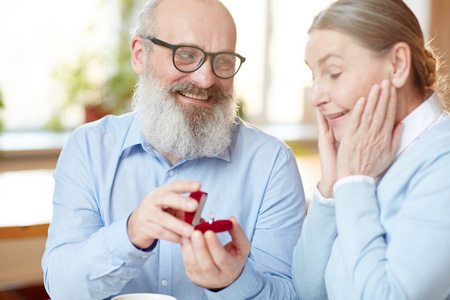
(103, 81)
(80, 83)
(241, 108)
(119, 84)
(2, 106)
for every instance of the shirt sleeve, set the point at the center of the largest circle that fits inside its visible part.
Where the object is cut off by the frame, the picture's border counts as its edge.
(267, 273)
(410, 262)
(84, 259)
(313, 248)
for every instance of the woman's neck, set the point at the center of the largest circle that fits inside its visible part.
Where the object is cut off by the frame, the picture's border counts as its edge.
(408, 99)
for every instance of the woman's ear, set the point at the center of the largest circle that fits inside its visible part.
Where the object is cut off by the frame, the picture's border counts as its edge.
(137, 54)
(400, 58)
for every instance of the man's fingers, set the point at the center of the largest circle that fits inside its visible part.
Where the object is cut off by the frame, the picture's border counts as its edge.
(202, 252)
(166, 199)
(238, 236)
(218, 253)
(171, 223)
(163, 234)
(180, 187)
(160, 215)
(187, 252)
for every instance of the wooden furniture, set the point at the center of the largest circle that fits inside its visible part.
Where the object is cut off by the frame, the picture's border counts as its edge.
(30, 150)
(440, 29)
(27, 161)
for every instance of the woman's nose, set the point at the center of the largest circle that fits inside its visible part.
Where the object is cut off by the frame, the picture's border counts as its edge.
(318, 95)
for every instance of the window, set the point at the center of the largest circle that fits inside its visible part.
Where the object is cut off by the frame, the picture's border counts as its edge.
(37, 38)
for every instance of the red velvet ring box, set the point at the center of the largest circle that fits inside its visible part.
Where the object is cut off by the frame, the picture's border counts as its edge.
(194, 217)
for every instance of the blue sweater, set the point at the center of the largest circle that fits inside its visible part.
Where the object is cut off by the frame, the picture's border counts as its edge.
(390, 241)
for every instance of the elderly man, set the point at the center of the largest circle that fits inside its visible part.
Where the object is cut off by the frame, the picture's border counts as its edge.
(123, 183)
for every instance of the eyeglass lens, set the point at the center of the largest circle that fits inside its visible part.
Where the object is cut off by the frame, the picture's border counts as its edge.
(188, 59)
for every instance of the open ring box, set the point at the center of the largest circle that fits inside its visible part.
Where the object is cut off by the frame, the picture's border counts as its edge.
(195, 217)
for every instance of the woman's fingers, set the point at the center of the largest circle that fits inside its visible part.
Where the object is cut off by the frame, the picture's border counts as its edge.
(391, 112)
(357, 116)
(370, 107)
(380, 114)
(327, 153)
(322, 124)
(396, 138)
(369, 143)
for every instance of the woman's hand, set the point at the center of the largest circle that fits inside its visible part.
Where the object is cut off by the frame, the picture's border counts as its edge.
(369, 144)
(327, 154)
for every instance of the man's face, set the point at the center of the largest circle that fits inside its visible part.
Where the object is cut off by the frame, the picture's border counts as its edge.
(203, 24)
(183, 131)
(186, 115)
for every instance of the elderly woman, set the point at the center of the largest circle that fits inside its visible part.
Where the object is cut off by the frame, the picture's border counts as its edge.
(378, 226)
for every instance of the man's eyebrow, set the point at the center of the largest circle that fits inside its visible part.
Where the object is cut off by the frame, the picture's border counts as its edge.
(326, 57)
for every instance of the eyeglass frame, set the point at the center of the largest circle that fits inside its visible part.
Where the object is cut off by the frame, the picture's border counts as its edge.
(174, 48)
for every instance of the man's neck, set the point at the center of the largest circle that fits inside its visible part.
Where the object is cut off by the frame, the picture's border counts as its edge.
(172, 159)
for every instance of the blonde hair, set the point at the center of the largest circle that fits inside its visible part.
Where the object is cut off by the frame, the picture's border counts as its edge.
(380, 24)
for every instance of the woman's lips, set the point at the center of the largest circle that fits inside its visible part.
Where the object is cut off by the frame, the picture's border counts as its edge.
(334, 118)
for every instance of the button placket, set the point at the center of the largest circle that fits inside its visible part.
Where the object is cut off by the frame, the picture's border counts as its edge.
(165, 270)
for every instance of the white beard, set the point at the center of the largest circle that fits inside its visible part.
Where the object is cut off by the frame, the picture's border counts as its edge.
(183, 131)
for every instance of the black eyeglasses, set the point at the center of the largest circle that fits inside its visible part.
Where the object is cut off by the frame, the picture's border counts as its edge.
(188, 59)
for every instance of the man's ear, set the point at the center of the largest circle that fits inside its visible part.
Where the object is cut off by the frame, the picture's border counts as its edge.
(137, 54)
(400, 59)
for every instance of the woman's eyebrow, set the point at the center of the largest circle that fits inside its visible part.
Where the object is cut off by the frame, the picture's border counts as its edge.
(326, 57)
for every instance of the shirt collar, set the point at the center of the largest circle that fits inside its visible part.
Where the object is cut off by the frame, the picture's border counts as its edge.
(420, 120)
(135, 137)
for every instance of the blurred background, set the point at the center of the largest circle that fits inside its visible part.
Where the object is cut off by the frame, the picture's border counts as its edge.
(64, 63)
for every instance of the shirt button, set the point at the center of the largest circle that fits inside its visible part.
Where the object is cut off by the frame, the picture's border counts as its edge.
(171, 173)
(164, 282)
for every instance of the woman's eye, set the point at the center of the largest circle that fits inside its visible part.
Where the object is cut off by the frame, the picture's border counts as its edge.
(335, 75)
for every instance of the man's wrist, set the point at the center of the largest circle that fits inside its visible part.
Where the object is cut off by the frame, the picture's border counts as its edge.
(150, 248)
(216, 290)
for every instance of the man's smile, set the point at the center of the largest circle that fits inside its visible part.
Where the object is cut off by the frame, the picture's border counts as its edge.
(202, 96)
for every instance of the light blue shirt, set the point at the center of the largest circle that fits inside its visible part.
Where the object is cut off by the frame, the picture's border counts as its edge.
(104, 171)
(385, 239)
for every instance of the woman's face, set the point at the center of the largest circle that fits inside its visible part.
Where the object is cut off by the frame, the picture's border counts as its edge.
(343, 71)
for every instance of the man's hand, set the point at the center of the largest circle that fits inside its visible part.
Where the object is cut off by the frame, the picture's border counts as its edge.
(210, 265)
(160, 215)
